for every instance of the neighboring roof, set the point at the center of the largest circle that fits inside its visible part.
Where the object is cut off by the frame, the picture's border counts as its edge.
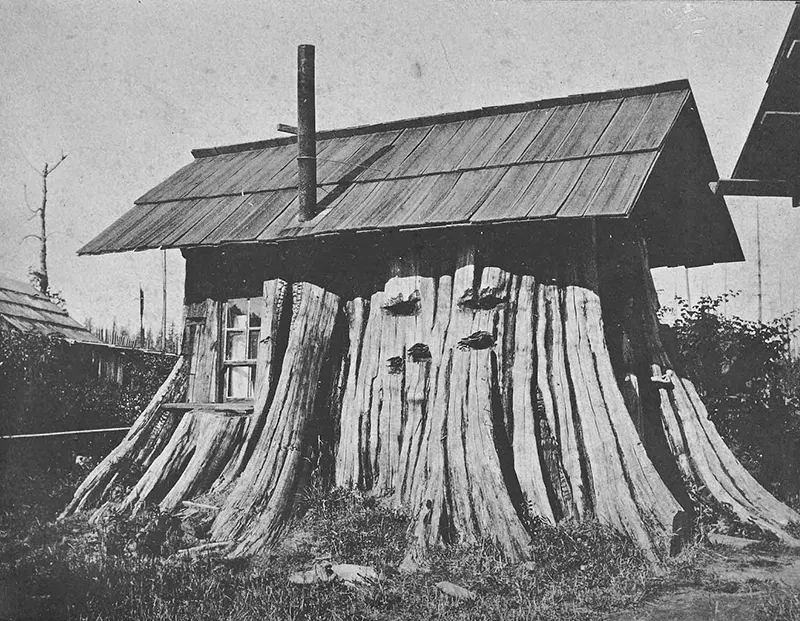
(772, 149)
(576, 157)
(22, 307)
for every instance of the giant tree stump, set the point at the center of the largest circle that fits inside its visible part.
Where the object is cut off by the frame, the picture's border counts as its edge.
(480, 386)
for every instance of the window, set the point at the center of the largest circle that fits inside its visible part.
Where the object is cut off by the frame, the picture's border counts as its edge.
(242, 325)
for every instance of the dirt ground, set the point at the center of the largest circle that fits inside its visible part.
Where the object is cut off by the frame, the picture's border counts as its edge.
(734, 585)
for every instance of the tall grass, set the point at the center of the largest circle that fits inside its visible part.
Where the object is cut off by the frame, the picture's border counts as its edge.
(68, 571)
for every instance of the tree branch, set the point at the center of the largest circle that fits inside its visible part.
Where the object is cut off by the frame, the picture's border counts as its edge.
(58, 163)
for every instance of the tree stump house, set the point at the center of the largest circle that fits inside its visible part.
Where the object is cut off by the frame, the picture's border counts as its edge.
(464, 324)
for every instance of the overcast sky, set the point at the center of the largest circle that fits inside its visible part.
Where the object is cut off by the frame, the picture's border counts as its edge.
(126, 89)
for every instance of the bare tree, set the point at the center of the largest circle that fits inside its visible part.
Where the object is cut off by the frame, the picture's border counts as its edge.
(40, 276)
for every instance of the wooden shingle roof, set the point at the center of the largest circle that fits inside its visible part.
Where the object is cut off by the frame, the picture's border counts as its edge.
(23, 308)
(579, 157)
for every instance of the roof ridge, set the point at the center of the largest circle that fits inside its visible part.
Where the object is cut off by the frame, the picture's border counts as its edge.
(447, 117)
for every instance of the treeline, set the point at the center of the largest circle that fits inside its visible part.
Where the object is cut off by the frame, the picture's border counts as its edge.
(123, 336)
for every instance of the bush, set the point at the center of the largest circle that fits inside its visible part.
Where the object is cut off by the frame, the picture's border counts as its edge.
(48, 385)
(750, 385)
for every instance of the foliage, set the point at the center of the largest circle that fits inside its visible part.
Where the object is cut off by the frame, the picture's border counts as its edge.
(40, 283)
(48, 385)
(750, 386)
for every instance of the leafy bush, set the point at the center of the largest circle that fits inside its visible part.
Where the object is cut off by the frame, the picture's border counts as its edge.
(48, 385)
(750, 385)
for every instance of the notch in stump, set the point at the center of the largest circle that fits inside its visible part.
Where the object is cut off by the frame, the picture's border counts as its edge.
(477, 340)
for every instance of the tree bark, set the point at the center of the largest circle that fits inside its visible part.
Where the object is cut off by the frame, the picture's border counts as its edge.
(710, 473)
(261, 501)
(476, 394)
(143, 442)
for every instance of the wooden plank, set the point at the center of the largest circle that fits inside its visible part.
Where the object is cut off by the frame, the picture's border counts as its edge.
(206, 167)
(401, 196)
(451, 154)
(258, 173)
(166, 217)
(547, 202)
(589, 183)
(588, 129)
(233, 408)
(553, 134)
(204, 366)
(486, 147)
(230, 183)
(337, 212)
(423, 201)
(621, 186)
(138, 238)
(780, 120)
(212, 218)
(268, 206)
(500, 203)
(378, 202)
(624, 124)
(658, 120)
(175, 180)
(427, 152)
(403, 145)
(210, 186)
(470, 192)
(242, 212)
(191, 214)
(524, 133)
(338, 161)
(370, 146)
(753, 187)
(107, 239)
(286, 176)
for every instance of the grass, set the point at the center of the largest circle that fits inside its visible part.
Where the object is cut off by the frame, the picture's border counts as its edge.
(68, 570)
(123, 570)
(780, 606)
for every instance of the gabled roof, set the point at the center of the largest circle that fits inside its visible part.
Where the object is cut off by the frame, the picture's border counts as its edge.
(584, 156)
(772, 149)
(23, 308)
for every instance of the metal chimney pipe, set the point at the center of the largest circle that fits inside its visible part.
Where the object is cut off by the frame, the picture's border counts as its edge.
(306, 134)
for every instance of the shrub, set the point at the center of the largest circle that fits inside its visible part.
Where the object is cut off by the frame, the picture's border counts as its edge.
(48, 385)
(750, 385)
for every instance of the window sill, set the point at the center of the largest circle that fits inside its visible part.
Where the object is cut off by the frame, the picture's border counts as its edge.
(234, 408)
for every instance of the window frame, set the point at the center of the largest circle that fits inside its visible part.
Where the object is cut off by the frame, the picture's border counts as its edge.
(225, 363)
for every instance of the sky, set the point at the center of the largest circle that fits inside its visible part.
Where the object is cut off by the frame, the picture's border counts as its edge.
(127, 89)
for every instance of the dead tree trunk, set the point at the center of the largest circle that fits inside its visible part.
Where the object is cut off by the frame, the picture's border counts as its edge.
(143, 442)
(475, 393)
(438, 360)
(709, 471)
(262, 498)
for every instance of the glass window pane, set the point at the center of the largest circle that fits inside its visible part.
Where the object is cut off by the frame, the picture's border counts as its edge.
(235, 346)
(239, 382)
(237, 314)
(256, 310)
(252, 351)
